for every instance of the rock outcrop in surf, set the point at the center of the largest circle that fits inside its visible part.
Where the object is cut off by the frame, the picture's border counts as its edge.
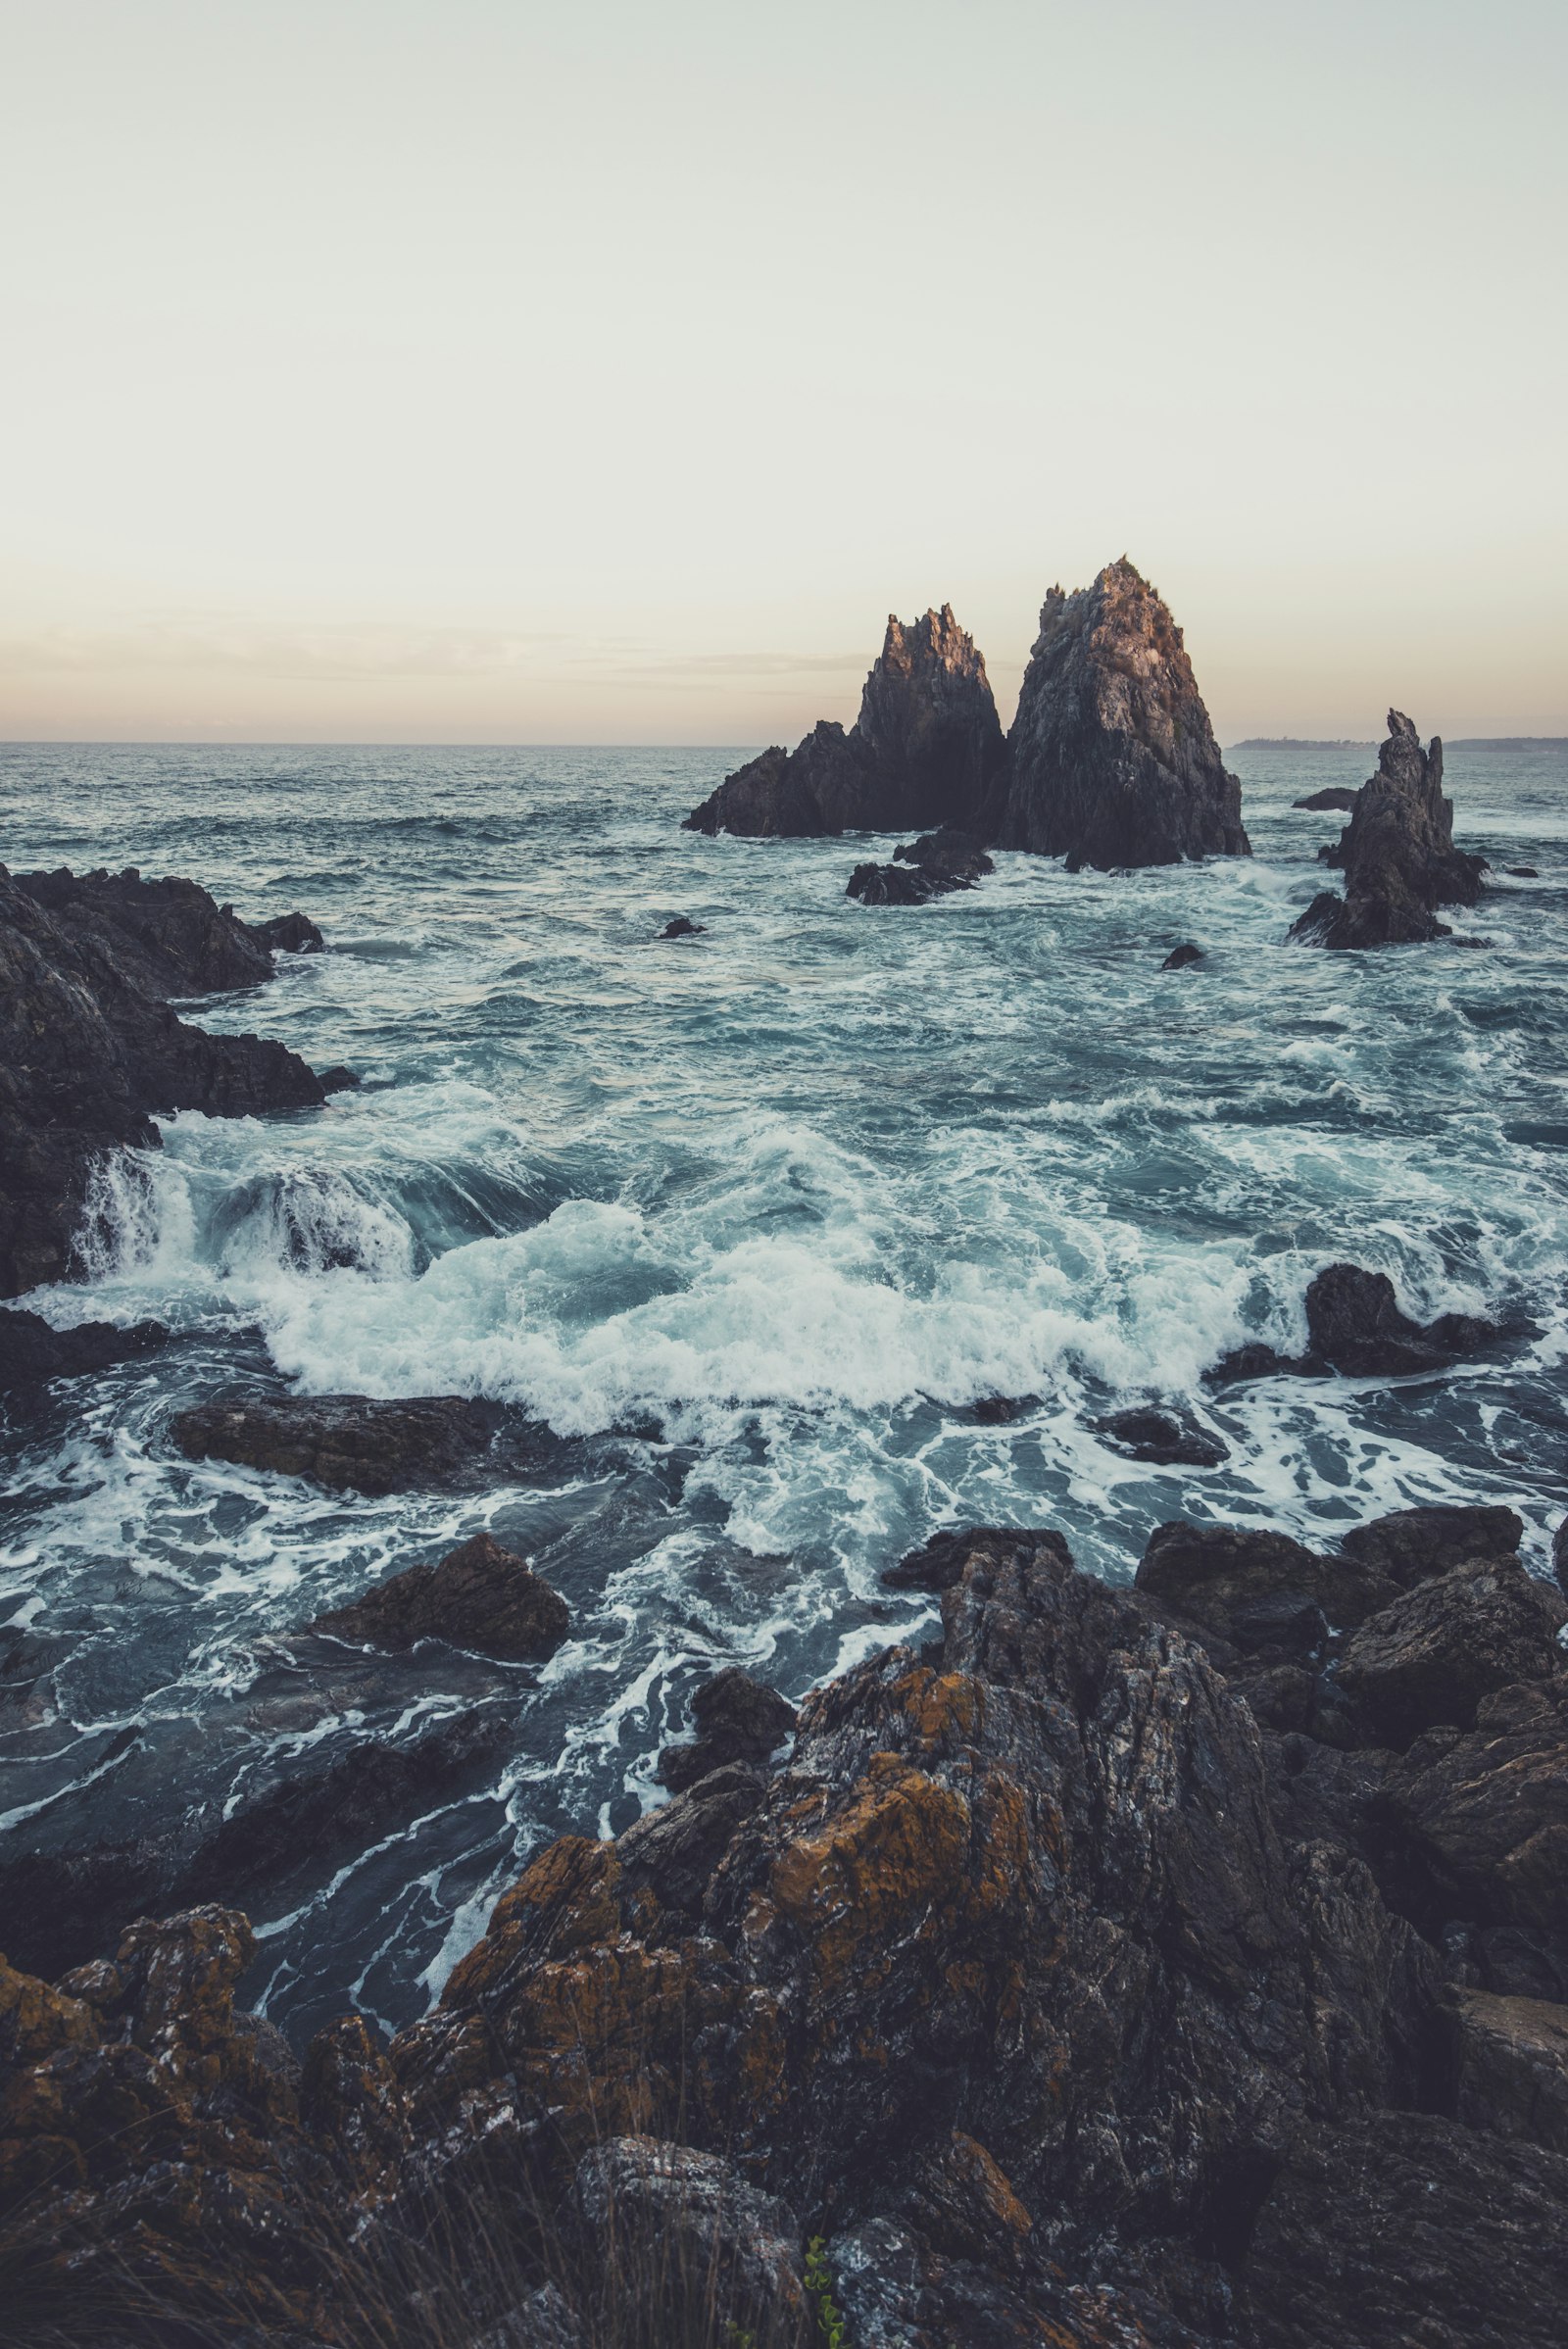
(90, 1051)
(1112, 759)
(924, 750)
(1117, 1965)
(1397, 855)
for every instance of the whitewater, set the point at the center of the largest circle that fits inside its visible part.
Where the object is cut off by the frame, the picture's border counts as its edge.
(757, 1223)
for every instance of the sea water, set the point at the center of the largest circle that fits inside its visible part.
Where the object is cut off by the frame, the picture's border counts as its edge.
(754, 1221)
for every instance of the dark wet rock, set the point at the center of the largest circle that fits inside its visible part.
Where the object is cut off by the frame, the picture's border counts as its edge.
(1182, 957)
(1559, 1553)
(1258, 1591)
(1111, 757)
(338, 1079)
(32, 1350)
(1334, 795)
(737, 1719)
(932, 866)
(1407, 2227)
(1508, 2066)
(1397, 855)
(1355, 1327)
(299, 1821)
(357, 1442)
(683, 2232)
(938, 1564)
(1438, 1649)
(1165, 1439)
(675, 1848)
(924, 750)
(681, 927)
(287, 934)
(479, 1595)
(1483, 1814)
(90, 1052)
(1521, 872)
(1000, 1410)
(58, 1908)
(1412, 1546)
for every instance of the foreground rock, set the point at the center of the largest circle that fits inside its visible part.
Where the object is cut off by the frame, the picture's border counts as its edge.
(1356, 1328)
(1397, 855)
(1165, 1439)
(479, 1595)
(1111, 758)
(361, 1443)
(924, 750)
(737, 1719)
(932, 866)
(90, 1052)
(32, 1350)
(1044, 1980)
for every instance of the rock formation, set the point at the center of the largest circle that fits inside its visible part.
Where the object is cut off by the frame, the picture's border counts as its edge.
(932, 866)
(924, 750)
(32, 1350)
(1335, 795)
(90, 1051)
(363, 1443)
(1095, 1973)
(479, 1595)
(1111, 758)
(1354, 1326)
(1397, 855)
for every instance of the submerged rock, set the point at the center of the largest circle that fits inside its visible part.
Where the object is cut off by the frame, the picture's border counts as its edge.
(359, 1442)
(1111, 758)
(1334, 795)
(1165, 1439)
(478, 1595)
(924, 749)
(32, 1350)
(1397, 855)
(932, 866)
(1355, 1327)
(681, 927)
(1182, 957)
(90, 1051)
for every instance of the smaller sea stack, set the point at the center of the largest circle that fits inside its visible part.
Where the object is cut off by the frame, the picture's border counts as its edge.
(1397, 855)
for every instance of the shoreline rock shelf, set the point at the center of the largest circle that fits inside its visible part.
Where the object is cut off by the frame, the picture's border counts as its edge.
(1057, 1985)
(90, 1051)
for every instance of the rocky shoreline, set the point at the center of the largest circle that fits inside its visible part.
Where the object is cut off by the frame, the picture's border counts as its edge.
(1171, 1966)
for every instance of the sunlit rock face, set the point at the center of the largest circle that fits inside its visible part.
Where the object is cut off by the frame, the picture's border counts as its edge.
(924, 751)
(1112, 758)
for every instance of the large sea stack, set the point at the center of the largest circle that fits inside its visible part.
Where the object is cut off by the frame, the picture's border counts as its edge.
(923, 751)
(1112, 760)
(90, 1051)
(1398, 854)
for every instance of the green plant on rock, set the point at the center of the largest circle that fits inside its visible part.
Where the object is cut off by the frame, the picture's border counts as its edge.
(820, 2293)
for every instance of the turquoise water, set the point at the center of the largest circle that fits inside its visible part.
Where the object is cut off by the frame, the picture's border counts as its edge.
(753, 1221)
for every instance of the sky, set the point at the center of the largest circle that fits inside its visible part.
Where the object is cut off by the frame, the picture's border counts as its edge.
(394, 371)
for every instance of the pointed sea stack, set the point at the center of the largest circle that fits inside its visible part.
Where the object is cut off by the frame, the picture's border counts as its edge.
(923, 751)
(1397, 855)
(1113, 759)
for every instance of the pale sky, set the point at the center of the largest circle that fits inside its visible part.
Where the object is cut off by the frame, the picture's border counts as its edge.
(386, 369)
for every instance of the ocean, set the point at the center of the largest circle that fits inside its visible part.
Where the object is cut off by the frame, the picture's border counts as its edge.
(754, 1221)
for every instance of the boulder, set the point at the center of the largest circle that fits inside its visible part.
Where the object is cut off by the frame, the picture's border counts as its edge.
(681, 927)
(685, 2247)
(1334, 795)
(1522, 872)
(1397, 853)
(1182, 957)
(1111, 758)
(1258, 1591)
(924, 750)
(1167, 1438)
(737, 1719)
(32, 1350)
(932, 866)
(1355, 1327)
(1432, 1654)
(90, 1051)
(479, 1595)
(1483, 1814)
(1412, 1546)
(361, 1443)
(1509, 2067)
(1405, 2227)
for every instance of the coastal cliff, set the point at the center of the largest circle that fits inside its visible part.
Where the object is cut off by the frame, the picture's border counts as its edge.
(923, 750)
(1115, 1967)
(1111, 757)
